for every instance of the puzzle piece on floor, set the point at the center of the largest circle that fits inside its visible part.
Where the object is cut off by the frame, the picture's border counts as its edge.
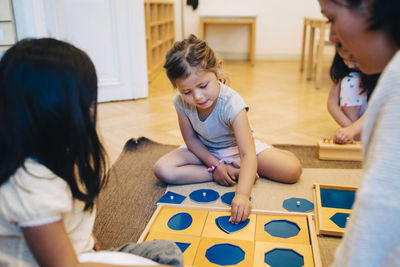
(298, 204)
(204, 195)
(228, 197)
(171, 197)
(265, 237)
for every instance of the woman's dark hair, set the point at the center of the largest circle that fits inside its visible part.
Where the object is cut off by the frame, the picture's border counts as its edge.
(48, 93)
(385, 15)
(339, 70)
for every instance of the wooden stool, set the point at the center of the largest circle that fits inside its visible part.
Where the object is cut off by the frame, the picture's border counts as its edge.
(250, 21)
(322, 26)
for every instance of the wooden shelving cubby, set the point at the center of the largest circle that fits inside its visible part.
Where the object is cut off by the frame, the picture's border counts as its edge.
(160, 33)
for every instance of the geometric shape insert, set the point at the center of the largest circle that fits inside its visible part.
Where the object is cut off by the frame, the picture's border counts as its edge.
(204, 195)
(298, 204)
(340, 219)
(282, 228)
(339, 199)
(282, 257)
(182, 246)
(225, 254)
(180, 221)
(225, 225)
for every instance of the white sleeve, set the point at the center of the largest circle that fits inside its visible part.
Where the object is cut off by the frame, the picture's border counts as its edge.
(34, 196)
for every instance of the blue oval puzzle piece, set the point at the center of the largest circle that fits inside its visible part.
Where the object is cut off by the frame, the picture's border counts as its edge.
(228, 197)
(204, 195)
(298, 204)
(228, 227)
(225, 254)
(180, 221)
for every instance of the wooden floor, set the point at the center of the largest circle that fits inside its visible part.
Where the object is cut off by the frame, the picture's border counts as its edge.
(285, 108)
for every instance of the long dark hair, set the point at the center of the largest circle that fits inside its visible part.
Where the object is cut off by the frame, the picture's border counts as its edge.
(339, 70)
(48, 93)
(384, 15)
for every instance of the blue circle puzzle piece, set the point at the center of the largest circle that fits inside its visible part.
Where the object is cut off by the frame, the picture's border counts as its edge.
(340, 219)
(223, 223)
(225, 254)
(180, 221)
(282, 257)
(298, 204)
(282, 228)
(204, 195)
(228, 197)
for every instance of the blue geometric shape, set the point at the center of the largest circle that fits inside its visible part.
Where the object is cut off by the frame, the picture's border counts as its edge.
(182, 246)
(223, 223)
(282, 228)
(225, 254)
(180, 221)
(339, 199)
(298, 204)
(228, 197)
(282, 257)
(340, 219)
(204, 195)
(171, 197)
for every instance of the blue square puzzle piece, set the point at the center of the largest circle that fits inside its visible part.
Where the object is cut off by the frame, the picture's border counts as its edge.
(171, 197)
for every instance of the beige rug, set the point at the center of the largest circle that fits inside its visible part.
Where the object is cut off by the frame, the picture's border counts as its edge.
(127, 203)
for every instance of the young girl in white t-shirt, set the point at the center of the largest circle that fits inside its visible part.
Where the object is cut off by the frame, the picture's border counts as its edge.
(52, 164)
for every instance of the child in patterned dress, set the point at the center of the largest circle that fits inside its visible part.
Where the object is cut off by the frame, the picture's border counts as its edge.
(348, 96)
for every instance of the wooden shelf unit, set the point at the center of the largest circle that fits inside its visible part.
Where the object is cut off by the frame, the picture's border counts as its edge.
(160, 33)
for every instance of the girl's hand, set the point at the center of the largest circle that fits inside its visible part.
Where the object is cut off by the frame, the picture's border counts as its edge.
(222, 175)
(240, 209)
(344, 135)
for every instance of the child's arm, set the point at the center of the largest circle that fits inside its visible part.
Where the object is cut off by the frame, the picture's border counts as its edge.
(334, 107)
(346, 134)
(221, 174)
(51, 246)
(241, 206)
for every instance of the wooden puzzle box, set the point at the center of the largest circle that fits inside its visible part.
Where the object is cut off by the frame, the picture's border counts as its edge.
(266, 239)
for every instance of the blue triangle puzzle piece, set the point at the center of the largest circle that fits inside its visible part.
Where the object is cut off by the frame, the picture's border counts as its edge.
(182, 246)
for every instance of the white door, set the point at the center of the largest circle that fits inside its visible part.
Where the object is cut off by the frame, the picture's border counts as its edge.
(112, 32)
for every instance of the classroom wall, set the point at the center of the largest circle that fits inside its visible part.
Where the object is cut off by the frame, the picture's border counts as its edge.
(279, 26)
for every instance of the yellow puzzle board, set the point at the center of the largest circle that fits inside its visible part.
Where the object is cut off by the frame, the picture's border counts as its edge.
(324, 225)
(203, 234)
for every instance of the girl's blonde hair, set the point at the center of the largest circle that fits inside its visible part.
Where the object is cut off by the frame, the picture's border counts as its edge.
(190, 53)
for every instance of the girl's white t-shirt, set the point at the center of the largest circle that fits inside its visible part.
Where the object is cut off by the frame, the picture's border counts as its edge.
(35, 196)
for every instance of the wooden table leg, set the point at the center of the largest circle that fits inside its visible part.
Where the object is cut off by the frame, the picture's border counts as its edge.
(310, 60)
(252, 46)
(303, 46)
(320, 59)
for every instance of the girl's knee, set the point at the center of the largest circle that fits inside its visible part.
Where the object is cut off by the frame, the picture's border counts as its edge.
(293, 170)
(163, 172)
